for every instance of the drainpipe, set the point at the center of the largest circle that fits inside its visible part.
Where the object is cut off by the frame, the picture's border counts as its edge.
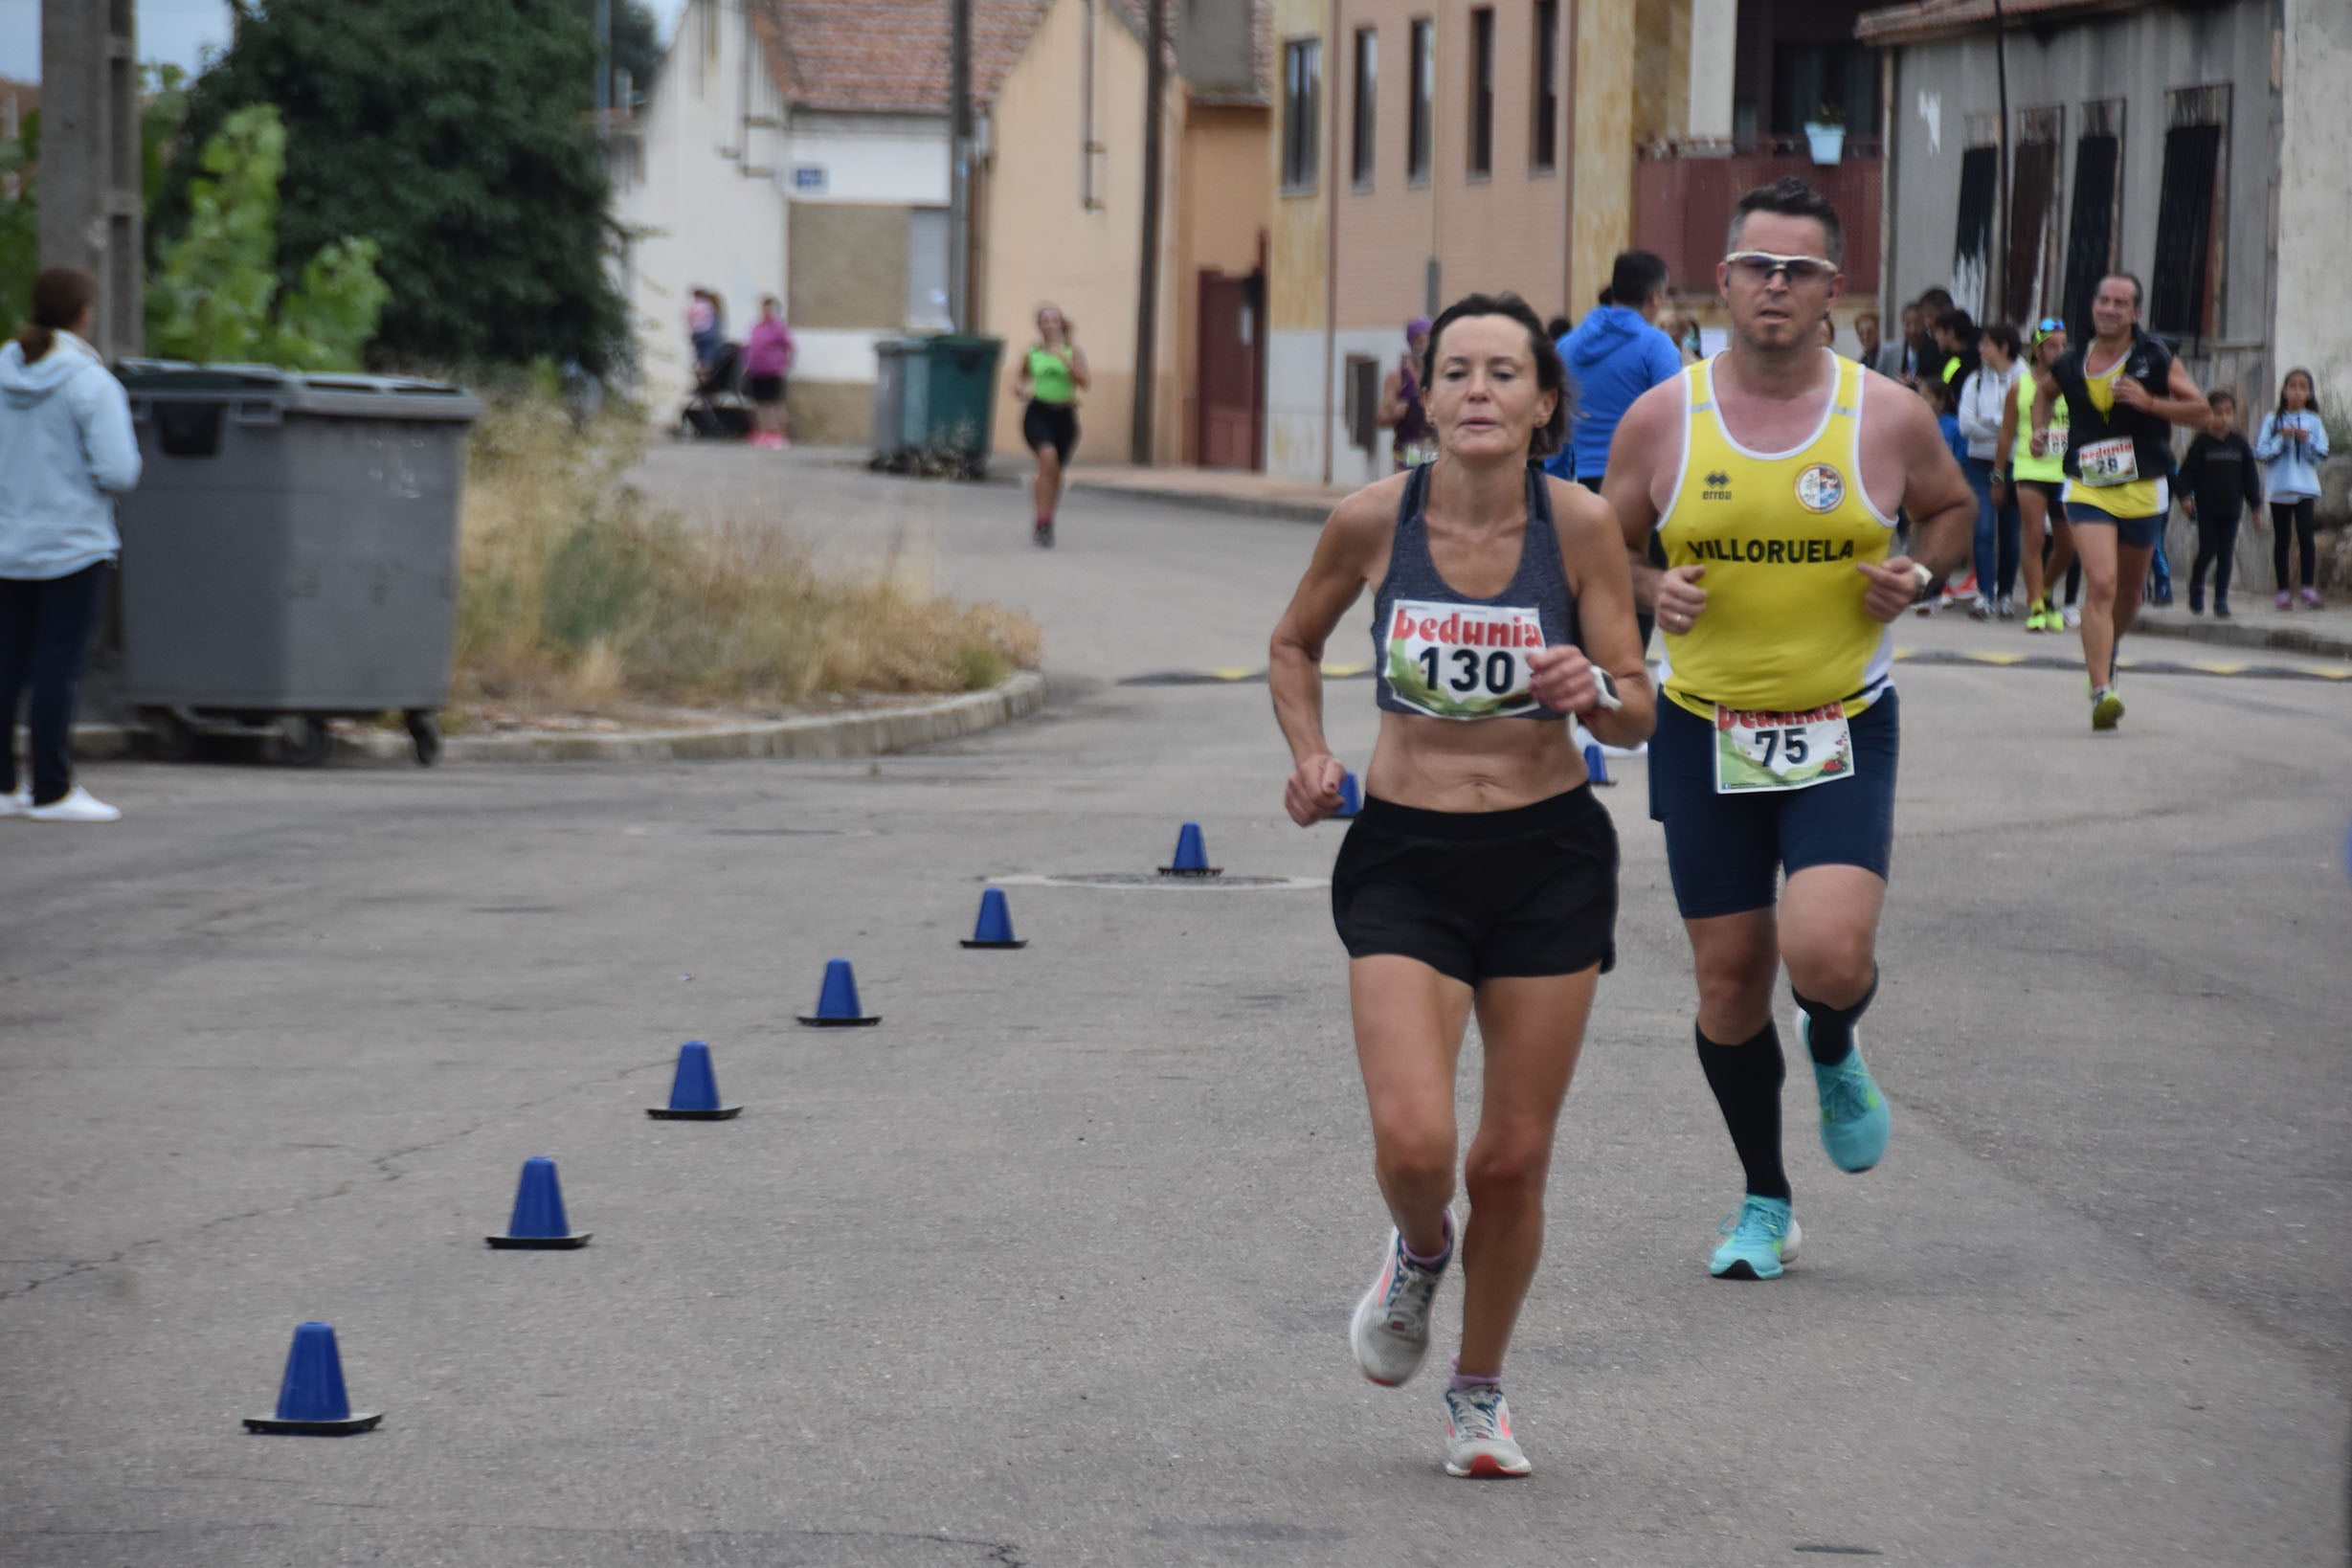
(1569, 19)
(2001, 218)
(1330, 253)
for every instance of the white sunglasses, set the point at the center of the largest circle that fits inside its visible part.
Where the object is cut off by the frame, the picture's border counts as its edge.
(1760, 265)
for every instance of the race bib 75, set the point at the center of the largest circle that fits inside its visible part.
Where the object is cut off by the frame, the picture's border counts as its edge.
(1462, 661)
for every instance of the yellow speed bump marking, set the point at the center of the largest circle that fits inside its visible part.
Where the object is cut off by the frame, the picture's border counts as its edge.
(1998, 659)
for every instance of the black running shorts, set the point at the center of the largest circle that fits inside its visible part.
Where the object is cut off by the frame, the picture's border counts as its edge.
(1050, 425)
(1480, 894)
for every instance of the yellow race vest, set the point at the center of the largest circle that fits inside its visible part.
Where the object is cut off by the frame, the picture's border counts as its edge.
(2138, 498)
(1779, 535)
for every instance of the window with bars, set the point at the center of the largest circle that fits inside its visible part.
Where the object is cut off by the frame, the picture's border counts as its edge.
(2095, 216)
(1972, 245)
(1482, 91)
(1302, 98)
(2184, 292)
(1543, 145)
(2034, 212)
(1420, 114)
(1367, 103)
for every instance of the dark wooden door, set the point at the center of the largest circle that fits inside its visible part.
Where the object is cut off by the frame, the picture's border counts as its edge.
(1231, 384)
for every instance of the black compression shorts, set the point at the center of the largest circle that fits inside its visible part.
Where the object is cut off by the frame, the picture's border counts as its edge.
(1480, 894)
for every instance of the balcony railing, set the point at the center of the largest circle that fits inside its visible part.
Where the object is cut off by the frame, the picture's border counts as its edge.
(1684, 192)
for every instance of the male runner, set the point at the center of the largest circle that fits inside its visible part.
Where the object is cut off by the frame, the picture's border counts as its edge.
(1773, 473)
(2124, 391)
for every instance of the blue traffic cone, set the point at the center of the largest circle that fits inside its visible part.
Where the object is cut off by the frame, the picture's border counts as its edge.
(311, 1400)
(538, 1223)
(694, 1093)
(995, 927)
(1351, 795)
(1597, 764)
(837, 1004)
(1192, 856)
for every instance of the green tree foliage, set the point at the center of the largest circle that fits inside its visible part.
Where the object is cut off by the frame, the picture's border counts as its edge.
(636, 45)
(20, 224)
(456, 136)
(216, 296)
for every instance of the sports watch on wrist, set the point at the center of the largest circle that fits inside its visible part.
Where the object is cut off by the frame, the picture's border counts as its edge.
(1925, 576)
(1607, 702)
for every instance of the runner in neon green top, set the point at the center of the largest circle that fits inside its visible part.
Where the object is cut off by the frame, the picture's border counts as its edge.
(2039, 479)
(1051, 376)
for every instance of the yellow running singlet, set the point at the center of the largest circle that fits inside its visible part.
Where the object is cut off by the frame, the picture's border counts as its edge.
(1779, 535)
(2138, 498)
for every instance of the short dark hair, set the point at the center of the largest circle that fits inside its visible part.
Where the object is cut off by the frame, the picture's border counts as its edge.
(1936, 299)
(1790, 197)
(2218, 395)
(1938, 391)
(1558, 328)
(1636, 276)
(1551, 376)
(2140, 296)
(2004, 335)
(1959, 322)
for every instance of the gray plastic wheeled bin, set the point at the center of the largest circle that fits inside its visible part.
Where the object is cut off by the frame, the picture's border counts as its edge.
(901, 378)
(290, 554)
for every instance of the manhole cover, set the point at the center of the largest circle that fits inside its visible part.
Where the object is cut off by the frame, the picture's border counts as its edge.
(1153, 882)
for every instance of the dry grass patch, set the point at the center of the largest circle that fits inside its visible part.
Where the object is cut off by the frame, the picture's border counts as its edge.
(575, 590)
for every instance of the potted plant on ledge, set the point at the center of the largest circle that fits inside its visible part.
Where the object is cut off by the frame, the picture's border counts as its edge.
(1826, 132)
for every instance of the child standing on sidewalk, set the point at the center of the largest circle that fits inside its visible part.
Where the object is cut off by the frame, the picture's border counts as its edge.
(2218, 476)
(2294, 443)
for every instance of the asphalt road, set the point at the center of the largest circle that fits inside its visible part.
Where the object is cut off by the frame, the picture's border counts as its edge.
(1053, 1265)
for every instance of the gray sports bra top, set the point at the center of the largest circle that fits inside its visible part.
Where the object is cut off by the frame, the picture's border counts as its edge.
(1445, 654)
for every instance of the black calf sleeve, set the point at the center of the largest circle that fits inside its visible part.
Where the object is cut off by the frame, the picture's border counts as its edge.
(1746, 1080)
(1830, 1030)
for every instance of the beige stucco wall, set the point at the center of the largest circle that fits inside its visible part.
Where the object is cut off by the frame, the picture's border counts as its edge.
(2314, 234)
(1296, 282)
(1037, 241)
(1604, 111)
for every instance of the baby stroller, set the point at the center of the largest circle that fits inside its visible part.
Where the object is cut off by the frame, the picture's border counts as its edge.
(716, 410)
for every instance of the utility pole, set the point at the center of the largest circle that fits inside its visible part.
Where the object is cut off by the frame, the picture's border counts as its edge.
(961, 135)
(90, 199)
(1147, 286)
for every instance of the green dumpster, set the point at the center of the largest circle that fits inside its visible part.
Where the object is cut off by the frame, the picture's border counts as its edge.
(960, 398)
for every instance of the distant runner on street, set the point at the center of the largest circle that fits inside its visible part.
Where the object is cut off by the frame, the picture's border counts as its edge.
(1482, 873)
(2124, 391)
(1773, 473)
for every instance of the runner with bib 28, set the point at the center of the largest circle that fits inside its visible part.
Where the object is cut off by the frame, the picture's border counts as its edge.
(1772, 474)
(1481, 874)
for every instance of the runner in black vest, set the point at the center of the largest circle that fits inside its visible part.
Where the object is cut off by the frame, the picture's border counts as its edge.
(2124, 391)
(1482, 873)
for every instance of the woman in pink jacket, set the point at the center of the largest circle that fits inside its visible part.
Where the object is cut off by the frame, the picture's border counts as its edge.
(767, 360)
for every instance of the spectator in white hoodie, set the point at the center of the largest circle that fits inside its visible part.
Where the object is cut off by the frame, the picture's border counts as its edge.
(1984, 397)
(66, 449)
(2293, 445)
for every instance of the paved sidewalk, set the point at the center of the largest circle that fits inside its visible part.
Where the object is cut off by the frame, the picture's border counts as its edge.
(2254, 624)
(1215, 489)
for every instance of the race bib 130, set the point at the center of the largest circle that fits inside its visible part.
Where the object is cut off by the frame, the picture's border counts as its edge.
(1462, 661)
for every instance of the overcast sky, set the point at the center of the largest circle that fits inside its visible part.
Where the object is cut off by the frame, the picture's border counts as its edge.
(177, 31)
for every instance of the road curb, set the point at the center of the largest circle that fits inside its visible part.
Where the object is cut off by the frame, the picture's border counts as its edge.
(1269, 507)
(859, 734)
(2225, 634)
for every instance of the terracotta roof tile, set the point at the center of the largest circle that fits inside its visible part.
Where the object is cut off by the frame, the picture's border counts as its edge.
(890, 56)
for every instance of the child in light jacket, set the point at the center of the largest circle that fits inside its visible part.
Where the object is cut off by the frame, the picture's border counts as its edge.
(2293, 445)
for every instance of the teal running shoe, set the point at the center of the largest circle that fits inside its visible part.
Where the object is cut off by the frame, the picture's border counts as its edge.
(1854, 1119)
(1762, 1237)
